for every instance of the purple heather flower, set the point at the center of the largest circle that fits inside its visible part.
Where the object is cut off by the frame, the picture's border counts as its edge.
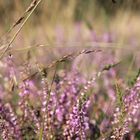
(24, 94)
(9, 126)
(125, 116)
(107, 37)
(59, 34)
(94, 37)
(78, 122)
(44, 103)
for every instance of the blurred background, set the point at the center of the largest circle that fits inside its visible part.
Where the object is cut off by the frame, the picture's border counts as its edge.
(74, 21)
(111, 24)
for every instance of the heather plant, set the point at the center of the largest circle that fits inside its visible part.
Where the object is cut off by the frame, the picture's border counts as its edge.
(53, 99)
(125, 113)
(51, 113)
(61, 110)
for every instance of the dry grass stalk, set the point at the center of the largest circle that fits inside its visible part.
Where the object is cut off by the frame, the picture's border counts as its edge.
(23, 19)
(70, 56)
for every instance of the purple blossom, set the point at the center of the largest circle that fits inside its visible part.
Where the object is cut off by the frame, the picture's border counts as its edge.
(126, 116)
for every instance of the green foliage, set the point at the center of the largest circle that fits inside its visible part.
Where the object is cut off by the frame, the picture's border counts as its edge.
(133, 80)
(119, 96)
(120, 103)
(137, 135)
